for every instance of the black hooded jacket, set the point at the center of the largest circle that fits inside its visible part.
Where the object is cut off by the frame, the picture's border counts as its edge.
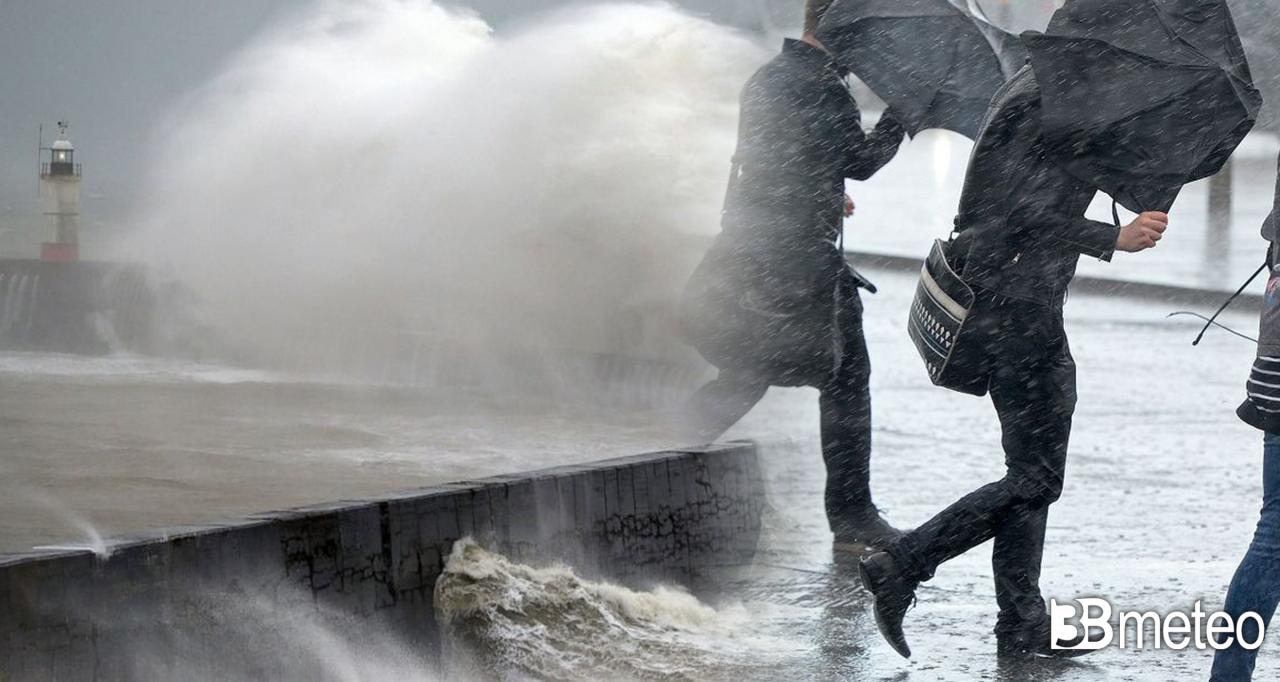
(1021, 222)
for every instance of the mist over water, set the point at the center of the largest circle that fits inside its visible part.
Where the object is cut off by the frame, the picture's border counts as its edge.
(286, 635)
(380, 167)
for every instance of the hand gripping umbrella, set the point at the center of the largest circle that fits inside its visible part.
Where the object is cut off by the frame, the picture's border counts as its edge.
(1141, 97)
(935, 62)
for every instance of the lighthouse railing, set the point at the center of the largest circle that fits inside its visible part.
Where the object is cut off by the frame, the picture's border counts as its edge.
(48, 169)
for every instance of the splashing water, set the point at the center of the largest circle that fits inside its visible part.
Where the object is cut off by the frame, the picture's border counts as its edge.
(18, 296)
(383, 166)
(281, 635)
(549, 623)
(93, 540)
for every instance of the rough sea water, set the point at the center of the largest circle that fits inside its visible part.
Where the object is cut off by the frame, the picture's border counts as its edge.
(510, 620)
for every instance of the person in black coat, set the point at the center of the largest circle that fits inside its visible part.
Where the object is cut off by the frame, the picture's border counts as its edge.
(1019, 234)
(774, 302)
(1255, 587)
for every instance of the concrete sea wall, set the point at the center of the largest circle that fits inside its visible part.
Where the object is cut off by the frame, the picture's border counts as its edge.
(86, 308)
(74, 615)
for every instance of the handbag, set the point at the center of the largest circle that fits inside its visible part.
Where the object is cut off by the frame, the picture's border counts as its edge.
(941, 314)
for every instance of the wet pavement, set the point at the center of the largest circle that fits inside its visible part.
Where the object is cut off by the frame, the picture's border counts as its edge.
(1163, 488)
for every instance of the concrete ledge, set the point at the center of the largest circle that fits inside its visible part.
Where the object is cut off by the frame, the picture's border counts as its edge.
(663, 516)
(1094, 285)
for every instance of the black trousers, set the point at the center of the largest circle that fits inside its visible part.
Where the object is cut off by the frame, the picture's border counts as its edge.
(1033, 388)
(845, 404)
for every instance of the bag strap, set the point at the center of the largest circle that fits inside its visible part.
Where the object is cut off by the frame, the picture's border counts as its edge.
(1213, 320)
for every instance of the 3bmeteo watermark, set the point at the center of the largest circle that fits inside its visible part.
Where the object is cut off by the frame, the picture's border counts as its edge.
(1093, 619)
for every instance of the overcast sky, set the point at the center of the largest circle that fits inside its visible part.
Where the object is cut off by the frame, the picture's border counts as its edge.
(111, 68)
(114, 67)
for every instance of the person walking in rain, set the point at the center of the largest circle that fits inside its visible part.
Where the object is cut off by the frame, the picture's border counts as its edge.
(1059, 131)
(1255, 588)
(774, 302)
(1018, 250)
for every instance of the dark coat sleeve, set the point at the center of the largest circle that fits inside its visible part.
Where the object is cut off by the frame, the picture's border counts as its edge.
(1038, 205)
(866, 154)
(816, 114)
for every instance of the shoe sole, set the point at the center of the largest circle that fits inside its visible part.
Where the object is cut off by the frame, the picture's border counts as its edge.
(1055, 655)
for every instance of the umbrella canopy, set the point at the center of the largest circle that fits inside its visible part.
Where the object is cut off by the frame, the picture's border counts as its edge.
(935, 62)
(1141, 97)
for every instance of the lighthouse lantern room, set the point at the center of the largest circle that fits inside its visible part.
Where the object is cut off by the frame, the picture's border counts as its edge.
(60, 196)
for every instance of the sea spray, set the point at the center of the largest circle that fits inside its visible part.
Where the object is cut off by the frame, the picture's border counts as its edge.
(381, 167)
(510, 619)
(91, 538)
(282, 633)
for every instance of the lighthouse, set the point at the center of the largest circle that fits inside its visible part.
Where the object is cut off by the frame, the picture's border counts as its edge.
(60, 196)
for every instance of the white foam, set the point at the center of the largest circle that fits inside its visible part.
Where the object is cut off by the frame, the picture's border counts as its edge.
(549, 623)
(382, 166)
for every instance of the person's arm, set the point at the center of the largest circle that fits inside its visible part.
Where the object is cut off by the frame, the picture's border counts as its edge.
(1089, 237)
(862, 154)
(866, 154)
(1038, 206)
(1038, 209)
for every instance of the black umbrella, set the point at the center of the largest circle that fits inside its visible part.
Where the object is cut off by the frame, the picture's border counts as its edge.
(935, 62)
(1143, 96)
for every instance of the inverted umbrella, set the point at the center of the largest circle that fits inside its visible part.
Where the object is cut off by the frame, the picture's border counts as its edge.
(1143, 96)
(935, 62)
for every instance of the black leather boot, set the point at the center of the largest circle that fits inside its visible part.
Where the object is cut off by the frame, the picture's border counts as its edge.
(894, 594)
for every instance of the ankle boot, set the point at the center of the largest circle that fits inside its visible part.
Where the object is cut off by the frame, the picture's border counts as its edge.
(894, 594)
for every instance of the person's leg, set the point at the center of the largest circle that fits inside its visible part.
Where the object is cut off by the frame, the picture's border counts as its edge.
(1035, 456)
(1034, 400)
(1033, 391)
(845, 406)
(720, 404)
(1256, 585)
(1015, 560)
(1036, 417)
